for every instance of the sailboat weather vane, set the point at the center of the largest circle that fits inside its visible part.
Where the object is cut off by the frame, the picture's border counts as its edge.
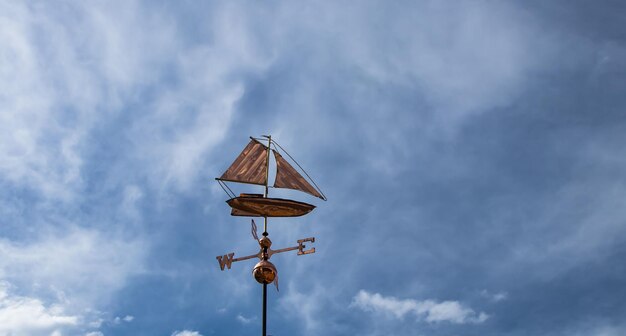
(265, 271)
(252, 167)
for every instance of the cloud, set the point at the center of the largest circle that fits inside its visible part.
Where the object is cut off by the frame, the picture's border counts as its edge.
(127, 318)
(48, 97)
(186, 333)
(60, 93)
(94, 333)
(447, 54)
(432, 68)
(86, 265)
(21, 315)
(306, 305)
(55, 93)
(495, 297)
(80, 270)
(429, 310)
(245, 320)
(608, 330)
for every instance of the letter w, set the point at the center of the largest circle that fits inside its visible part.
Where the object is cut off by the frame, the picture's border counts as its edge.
(227, 259)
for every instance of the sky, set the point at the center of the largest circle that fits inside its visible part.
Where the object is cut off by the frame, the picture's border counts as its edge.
(472, 153)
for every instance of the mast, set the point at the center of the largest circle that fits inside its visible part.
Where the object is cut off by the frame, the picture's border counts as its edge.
(267, 170)
(267, 182)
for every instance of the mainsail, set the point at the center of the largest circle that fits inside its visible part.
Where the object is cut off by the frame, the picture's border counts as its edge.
(288, 177)
(250, 166)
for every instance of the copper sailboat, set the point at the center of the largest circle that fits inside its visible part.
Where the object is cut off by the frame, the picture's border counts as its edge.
(252, 167)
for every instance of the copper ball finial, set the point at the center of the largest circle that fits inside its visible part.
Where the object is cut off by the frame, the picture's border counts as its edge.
(264, 272)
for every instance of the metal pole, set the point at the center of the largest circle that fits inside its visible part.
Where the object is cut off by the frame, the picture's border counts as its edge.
(264, 309)
(267, 182)
(265, 290)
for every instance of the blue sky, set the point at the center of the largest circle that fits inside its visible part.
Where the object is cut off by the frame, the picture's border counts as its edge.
(472, 153)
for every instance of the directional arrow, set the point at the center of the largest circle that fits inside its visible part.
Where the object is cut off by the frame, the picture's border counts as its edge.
(226, 260)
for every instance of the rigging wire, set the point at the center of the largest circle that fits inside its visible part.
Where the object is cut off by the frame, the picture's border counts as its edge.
(224, 187)
(299, 166)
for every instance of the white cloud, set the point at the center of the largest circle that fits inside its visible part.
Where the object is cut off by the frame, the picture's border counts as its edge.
(429, 310)
(55, 91)
(48, 96)
(80, 269)
(445, 49)
(305, 306)
(186, 333)
(495, 297)
(21, 315)
(311, 304)
(581, 221)
(454, 59)
(127, 318)
(245, 320)
(84, 265)
(94, 333)
(95, 323)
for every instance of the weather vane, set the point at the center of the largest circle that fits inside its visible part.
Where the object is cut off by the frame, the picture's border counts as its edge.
(252, 167)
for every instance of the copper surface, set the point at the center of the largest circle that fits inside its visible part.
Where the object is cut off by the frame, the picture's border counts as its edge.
(250, 166)
(264, 272)
(302, 246)
(265, 252)
(253, 206)
(265, 242)
(288, 177)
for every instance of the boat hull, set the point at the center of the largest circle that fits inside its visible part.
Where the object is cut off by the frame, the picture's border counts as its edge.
(253, 206)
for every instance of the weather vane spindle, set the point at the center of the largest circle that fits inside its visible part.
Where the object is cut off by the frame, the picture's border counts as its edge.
(252, 167)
